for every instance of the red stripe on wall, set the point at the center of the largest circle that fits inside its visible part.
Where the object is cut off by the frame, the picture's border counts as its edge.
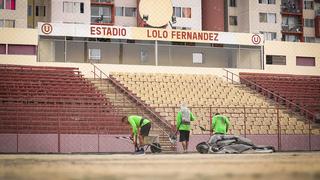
(22, 49)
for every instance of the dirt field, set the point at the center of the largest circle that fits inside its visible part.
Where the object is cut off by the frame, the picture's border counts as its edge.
(162, 166)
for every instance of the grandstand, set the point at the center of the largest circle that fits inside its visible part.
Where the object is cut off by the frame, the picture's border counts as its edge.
(60, 100)
(53, 100)
(165, 93)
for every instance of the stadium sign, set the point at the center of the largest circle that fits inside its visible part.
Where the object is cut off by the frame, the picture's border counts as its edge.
(138, 33)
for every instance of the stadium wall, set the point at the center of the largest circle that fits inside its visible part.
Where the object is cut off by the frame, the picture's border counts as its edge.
(18, 37)
(293, 50)
(95, 143)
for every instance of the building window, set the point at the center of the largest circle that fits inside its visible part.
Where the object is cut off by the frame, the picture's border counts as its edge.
(267, 17)
(29, 10)
(68, 7)
(291, 38)
(119, 11)
(94, 54)
(101, 14)
(177, 11)
(305, 61)
(291, 24)
(309, 23)
(276, 60)
(232, 3)
(126, 11)
(308, 4)
(22, 49)
(8, 4)
(73, 7)
(7, 23)
(233, 20)
(130, 12)
(81, 8)
(41, 11)
(267, 1)
(269, 35)
(197, 58)
(186, 12)
(2, 49)
(310, 39)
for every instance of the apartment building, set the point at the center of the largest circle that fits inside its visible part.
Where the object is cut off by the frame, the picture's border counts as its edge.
(285, 20)
(186, 14)
(13, 13)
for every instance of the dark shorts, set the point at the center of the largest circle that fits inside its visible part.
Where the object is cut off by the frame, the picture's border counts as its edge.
(144, 131)
(184, 136)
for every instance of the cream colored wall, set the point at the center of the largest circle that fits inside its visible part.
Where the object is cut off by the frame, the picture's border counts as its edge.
(256, 26)
(122, 20)
(18, 36)
(58, 16)
(17, 59)
(308, 14)
(125, 21)
(242, 12)
(291, 50)
(33, 20)
(19, 15)
(309, 32)
(195, 22)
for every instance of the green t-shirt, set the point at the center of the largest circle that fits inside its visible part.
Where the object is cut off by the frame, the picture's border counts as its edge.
(135, 123)
(220, 124)
(184, 127)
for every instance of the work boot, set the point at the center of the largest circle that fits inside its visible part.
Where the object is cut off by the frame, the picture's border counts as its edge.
(140, 152)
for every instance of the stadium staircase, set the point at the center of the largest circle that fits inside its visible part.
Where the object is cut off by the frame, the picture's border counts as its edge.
(53, 100)
(127, 103)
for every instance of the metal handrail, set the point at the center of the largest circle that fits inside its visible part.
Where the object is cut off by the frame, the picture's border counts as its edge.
(112, 79)
(288, 102)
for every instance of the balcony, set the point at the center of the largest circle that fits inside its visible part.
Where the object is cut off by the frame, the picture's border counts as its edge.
(292, 29)
(291, 10)
(292, 38)
(291, 7)
(317, 12)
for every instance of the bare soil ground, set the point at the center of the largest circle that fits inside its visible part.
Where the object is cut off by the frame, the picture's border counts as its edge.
(274, 166)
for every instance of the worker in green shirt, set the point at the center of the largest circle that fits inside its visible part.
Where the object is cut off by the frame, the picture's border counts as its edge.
(140, 128)
(220, 124)
(183, 121)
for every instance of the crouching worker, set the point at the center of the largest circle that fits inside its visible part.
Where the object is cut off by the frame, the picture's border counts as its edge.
(140, 128)
(220, 124)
